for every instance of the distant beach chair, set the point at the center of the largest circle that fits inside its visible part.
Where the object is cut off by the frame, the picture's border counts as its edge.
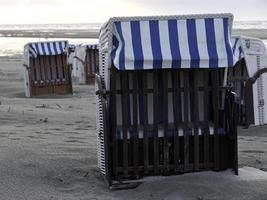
(161, 100)
(252, 59)
(46, 68)
(87, 63)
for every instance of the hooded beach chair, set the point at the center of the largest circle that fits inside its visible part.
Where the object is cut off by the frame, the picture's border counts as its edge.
(46, 68)
(161, 98)
(252, 59)
(86, 63)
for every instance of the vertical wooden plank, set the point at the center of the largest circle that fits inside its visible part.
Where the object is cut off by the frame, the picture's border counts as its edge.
(114, 122)
(206, 119)
(196, 119)
(42, 69)
(186, 120)
(37, 67)
(59, 67)
(176, 103)
(155, 122)
(145, 128)
(165, 121)
(215, 95)
(135, 125)
(54, 69)
(124, 80)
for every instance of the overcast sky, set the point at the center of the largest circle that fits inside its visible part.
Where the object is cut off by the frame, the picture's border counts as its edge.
(84, 11)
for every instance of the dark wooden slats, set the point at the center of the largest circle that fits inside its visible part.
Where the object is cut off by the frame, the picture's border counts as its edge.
(135, 126)
(206, 120)
(196, 119)
(145, 128)
(151, 154)
(176, 104)
(114, 124)
(124, 99)
(215, 99)
(155, 122)
(186, 120)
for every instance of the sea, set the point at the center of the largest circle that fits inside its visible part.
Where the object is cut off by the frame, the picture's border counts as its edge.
(13, 41)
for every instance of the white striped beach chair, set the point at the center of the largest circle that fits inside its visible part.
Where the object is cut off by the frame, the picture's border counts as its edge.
(46, 68)
(162, 102)
(252, 59)
(87, 63)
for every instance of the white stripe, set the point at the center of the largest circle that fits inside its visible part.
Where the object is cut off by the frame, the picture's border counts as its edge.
(118, 50)
(202, 43)
(58, 48)
(40, 49)
(165, 44)
(146, 44)
(183, 44)
(220, 43)
(52, 48)
(127, 35)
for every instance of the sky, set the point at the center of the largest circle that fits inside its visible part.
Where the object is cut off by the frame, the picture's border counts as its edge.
(88, 11)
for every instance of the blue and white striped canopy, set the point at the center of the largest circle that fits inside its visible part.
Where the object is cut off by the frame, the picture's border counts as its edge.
(173, 43)
(47, 48)
(92, 46)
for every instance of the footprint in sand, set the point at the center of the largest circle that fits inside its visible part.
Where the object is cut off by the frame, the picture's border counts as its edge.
(75, 141)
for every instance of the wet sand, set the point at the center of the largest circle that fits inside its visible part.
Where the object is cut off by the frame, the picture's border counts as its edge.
(48, 151)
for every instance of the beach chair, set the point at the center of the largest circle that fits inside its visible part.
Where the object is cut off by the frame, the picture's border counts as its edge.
(87, 63)
(251, 58)
(162, 105)
(46, 68)
(91, 63)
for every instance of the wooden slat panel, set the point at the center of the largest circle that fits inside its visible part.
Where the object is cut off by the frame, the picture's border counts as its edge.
(176, 103)
(114, 124)
(165, 121)
(186, 120)
(135, 125)
(155, 122)
(38, 70)
(206, 119)
(196, 119)
(215, 94)
(146, 154)
(42, 69)
(124, 81)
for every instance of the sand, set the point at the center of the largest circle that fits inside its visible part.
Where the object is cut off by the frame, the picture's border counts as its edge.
(48, 151)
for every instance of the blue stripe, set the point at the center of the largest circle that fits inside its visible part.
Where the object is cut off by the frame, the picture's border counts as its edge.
(192, 42)
(36, 49)
(234, 47)
(115, 43)
(49, 49)
(211, 42)
(43, 48)
(55, 48)
(137, 45)
(174, 44)
(227, 43)
(155, 44)
(61, 47)
(121, 53)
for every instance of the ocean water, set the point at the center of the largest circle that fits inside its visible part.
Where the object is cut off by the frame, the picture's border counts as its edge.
(11, 46)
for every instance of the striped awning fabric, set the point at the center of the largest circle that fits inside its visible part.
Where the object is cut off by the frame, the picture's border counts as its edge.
(238, 52)
(47, 48)
(200, 42)
(92, 46)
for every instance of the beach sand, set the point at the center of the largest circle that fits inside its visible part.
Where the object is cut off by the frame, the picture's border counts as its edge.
(48, 151)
